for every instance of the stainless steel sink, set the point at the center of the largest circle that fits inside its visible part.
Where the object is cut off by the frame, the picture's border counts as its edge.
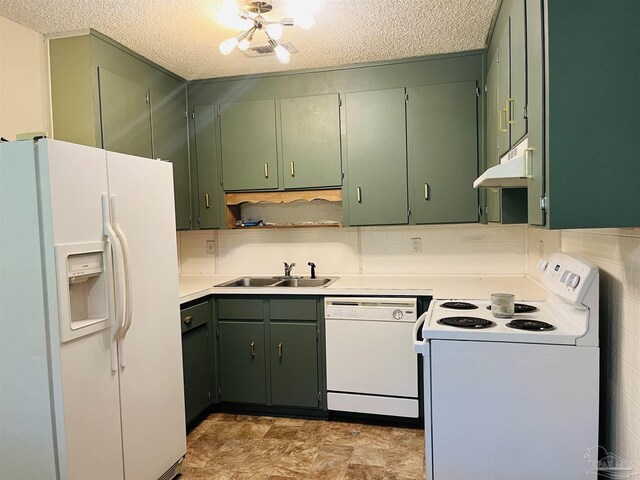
(279, 282)
(250, 282)
(305, 282)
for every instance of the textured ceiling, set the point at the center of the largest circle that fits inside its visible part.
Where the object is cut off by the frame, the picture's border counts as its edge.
(183, 35)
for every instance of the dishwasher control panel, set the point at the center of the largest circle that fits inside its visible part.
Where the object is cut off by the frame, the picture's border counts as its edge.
(390, 309)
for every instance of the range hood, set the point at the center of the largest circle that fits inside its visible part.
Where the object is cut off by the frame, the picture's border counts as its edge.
(511, 172)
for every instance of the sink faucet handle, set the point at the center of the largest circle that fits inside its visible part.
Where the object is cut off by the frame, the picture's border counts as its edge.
(288, 268)
(313, 269)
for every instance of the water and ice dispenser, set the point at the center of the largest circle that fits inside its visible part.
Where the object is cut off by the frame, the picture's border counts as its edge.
(83, 282)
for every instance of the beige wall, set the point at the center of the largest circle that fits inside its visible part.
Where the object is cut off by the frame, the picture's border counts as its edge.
(22, 80)
(616, 252)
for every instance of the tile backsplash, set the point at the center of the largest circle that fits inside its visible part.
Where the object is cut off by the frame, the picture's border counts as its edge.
(616, 252)
(454, 249)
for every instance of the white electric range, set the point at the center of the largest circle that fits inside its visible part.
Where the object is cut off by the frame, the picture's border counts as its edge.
(514, 398)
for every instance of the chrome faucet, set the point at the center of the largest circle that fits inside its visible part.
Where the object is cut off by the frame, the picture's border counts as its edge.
(288, 268)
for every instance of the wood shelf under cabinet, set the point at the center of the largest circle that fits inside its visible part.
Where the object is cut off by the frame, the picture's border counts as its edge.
(234, 201)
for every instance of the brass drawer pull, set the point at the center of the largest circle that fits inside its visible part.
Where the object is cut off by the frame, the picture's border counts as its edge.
(206, 201)
(280, 350)
(293, 171)
(528, 164)
(359, 194)
(252, 349)
(266, 170)
(187, 320)
(508, 108)
(426, 191)
(503, 129)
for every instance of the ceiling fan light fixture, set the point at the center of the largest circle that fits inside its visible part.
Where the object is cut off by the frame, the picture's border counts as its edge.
(253, 16)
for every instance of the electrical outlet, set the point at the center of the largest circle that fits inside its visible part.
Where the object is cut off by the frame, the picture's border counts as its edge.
(211, 247)
(416, 245)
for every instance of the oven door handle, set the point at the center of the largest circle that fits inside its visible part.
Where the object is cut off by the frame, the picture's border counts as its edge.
(418, 343)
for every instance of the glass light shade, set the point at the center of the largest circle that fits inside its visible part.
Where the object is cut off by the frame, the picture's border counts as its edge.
(282, 53)
(228, 45)
(304, 21)
(275, 30)
(244, 44)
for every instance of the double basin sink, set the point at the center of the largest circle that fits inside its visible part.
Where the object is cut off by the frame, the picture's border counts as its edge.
(279, 282)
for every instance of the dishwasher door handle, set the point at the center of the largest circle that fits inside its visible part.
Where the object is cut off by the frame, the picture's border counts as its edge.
(419, 345)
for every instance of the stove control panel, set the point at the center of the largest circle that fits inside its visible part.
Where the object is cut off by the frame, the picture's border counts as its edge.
(568, 276)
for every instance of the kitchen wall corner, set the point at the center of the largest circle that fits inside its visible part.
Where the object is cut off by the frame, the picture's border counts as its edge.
(616, 252)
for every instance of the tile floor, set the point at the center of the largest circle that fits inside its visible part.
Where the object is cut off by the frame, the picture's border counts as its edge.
(234, 447)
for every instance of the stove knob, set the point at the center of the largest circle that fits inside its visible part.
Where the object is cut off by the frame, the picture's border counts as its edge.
(573, 280)
(397, 314)
(542, 265)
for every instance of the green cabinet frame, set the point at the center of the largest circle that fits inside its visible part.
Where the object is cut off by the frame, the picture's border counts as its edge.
(206, 160)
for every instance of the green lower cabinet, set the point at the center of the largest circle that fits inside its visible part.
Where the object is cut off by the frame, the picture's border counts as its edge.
(294, 364)
(443, 150)
(197, 356)
(242, 362)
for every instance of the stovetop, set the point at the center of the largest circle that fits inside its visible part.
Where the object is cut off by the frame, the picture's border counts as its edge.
(473, 320)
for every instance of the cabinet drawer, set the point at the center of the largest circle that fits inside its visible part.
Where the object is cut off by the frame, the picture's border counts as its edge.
(240, 309)
(293, 309)
(195, 316)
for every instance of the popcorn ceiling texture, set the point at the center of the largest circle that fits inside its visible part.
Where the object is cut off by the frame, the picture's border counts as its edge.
(183, 36)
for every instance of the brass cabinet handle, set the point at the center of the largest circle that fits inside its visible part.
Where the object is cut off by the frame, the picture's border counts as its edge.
(359, 194)
(206, 201)
(503, 129)
(528, 168)
(280, 350)
(252, 349)
(508, 109)
(266, 170)
(187, 320)
(293, 171)
(426, 191)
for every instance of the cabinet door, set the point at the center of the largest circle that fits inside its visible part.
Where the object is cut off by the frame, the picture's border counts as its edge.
(311, 141)
(493, 119)
(206, 160)
(249, 155)
(242, 362)
(504, 140)
(294, 364)
(444, 140)
(196, 364)
(170, 143)
(535, 93)
(125, 115)
(518, 70)
(377, 157)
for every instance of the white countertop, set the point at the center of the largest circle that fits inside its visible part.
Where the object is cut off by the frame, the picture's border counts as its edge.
(193, 287)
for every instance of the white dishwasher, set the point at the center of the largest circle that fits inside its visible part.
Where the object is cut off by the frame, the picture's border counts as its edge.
(371, 364)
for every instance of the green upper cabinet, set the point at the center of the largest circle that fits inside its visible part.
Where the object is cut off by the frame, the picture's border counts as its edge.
(443, 150)
(125, 115)
(508, 56)
(376, 153)
(205, 158)
(249, 151)
(104, 95)
(310, 129)
(170, 142)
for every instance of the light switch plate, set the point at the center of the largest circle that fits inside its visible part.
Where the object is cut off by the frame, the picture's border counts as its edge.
(416, 245)
(211, 247)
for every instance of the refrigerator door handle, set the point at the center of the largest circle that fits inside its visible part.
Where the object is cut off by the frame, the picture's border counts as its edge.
(127, 276)
(117, 265)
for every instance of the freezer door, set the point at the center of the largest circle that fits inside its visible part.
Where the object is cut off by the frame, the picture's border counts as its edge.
(151, 386)
(74, 177)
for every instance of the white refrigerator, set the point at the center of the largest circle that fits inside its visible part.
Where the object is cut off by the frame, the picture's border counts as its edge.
(90, 347)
